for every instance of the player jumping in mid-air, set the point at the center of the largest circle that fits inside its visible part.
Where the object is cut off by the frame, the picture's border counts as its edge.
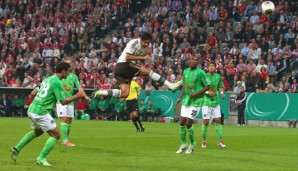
(194, 87)
(126, 68)
(39, 113)
(211, 105)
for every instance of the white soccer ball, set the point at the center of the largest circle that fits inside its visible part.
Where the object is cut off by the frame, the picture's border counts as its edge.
(268, 7)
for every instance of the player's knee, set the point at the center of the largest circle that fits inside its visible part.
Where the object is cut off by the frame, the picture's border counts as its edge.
(206, 122)
(38, 132)
(57, 136)
(188, 125)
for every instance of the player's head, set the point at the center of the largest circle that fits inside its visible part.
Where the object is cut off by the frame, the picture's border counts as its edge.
(63, 68)
(211, 67)
(146, 39)
(69, 61)
(193, 62)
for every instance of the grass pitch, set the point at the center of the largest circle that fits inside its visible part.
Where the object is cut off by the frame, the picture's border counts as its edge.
(115, 146)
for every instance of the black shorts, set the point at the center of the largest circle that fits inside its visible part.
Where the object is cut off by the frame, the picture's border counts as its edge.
(132, 105)
(124, 72)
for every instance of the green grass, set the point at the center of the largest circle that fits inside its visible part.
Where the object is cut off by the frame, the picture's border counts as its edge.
(116, 146)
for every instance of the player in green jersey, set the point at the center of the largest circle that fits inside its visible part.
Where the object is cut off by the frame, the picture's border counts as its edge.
(194, 86)
(49, 93)
(66, 112)
(211, 105)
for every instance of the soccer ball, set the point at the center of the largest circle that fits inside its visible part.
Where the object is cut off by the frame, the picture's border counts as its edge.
(268, 7)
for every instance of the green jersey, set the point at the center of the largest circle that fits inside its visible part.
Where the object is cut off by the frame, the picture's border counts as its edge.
(103, 104)
(49, 93)
(93, 103)
(193, 81)
(120, 106)
(69, 84)
(215, 83)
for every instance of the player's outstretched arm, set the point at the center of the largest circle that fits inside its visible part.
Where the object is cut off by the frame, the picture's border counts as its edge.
(72, 98)
(84, 93)
(130, 57)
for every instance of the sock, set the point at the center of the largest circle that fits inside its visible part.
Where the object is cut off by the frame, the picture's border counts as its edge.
(218, 129)
(156, 77)
(64, 131)
(135, 123)
(191, 135)
(25, 140)
(112, 92)
(139, 121)
(204, 132)
(68, 130)
(47, 148)
(183, 134)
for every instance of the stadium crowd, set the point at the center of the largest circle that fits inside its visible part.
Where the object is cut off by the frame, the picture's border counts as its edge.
(251, 49)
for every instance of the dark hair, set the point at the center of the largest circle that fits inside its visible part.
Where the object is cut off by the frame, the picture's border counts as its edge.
(62, 66)
(212, 62)
(146, 36)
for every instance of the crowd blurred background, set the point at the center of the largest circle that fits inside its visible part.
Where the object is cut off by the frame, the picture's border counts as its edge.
(251, 49)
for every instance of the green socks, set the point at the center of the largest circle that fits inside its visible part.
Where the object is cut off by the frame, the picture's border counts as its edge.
(183, 134)
(191, 135)
(218, 131)
(204, 132)
(64, 131)
(47, 148)
(25, 140)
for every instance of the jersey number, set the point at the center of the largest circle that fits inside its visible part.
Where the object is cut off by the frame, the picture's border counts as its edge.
(193, 113)
(43, 91)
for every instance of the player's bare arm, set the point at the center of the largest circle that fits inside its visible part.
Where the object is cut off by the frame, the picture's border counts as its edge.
(84, 94)
(72, 98)
(130, 57)
(221, 93)
(180, 96)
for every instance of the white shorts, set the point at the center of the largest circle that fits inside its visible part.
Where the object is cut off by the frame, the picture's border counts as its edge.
(65, 110)
(44, 122)
(211, 112)
(190, 111)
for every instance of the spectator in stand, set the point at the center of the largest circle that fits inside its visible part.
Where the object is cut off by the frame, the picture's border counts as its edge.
(5, 106)
(81, 107)
(261, 65)
(271, 70)
(103, 108)
(151, 111)
(263, 78)
(17, 104)
(292, 77)
(118, 112)
(252, 81)
(281, 66)
(92, 108)
(225, 83)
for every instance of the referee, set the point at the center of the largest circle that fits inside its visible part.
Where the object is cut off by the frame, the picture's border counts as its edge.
(132, 104)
